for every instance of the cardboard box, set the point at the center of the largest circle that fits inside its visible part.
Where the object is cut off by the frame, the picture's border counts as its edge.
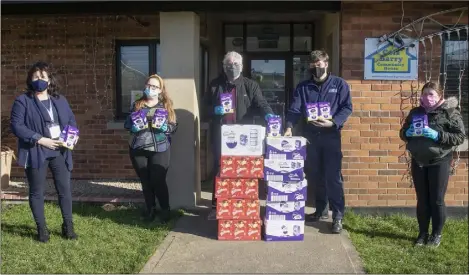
(242, 140)
(224, 209)
(286, 191)
(222, 187)
(253, 209)
(238, 209)
(236, 188)
(285, 148)
(251, 188)
(241, 167)
(283, 170)
(285, 211)
(284, 230)
(239, 230)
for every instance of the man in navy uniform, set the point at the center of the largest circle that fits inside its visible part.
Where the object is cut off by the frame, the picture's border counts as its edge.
(324, 154)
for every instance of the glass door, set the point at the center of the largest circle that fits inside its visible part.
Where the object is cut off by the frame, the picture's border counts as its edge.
(273, 74)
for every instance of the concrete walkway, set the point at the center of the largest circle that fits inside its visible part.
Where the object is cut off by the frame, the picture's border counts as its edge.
(192, 248)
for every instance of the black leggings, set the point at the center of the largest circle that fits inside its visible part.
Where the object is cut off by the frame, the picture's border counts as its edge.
(37, 181)
(430, 184)
(151, 168)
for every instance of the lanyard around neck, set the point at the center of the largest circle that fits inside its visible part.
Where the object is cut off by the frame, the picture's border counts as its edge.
(49, 110)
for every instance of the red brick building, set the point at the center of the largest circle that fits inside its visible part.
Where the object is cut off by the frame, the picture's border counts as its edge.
(103, 51)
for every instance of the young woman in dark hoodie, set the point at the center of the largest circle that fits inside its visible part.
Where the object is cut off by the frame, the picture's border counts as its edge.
(431, 149)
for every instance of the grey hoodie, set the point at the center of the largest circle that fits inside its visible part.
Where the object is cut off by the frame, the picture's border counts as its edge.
(447, 121)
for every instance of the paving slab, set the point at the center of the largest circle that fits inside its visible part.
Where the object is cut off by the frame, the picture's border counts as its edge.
(192, 248)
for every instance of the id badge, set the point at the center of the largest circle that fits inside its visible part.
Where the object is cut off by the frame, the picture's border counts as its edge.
(54, 130)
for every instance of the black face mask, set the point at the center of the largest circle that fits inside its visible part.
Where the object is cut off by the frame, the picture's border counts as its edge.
(317, 72)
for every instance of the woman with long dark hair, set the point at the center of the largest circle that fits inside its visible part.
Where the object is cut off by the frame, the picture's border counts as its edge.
(38, 117)
(431, 131)
(152, 122)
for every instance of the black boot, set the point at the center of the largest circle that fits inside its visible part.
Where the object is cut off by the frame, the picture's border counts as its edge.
(336, 226)
(165, 215)
(67, 231)
(42, 234)
(422, 239)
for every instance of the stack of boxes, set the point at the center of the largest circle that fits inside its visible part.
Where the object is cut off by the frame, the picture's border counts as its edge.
(286, 188)
(236, 187)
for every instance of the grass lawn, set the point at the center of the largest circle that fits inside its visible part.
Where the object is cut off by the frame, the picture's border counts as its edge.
(385, 245)
(110, 240)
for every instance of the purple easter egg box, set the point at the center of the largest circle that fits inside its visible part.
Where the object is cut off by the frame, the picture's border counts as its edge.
(419, 122)
(139, 120)
(226, 100)
(312, 111)
(274, 127)
(69, 137)
(159, 118)
(324, 110)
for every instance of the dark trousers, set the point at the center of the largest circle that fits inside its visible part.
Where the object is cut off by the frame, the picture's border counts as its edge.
(324, 172)
(37, 181)
(430, 184)
(151, 168)
(216, 154)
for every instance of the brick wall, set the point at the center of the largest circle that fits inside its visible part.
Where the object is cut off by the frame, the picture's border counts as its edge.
(374, 157)
(81, 50)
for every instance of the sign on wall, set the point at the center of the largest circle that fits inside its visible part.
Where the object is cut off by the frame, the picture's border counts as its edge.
(390, 62)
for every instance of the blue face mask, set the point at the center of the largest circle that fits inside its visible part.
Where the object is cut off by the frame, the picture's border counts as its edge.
(151, 93)
(40, 85)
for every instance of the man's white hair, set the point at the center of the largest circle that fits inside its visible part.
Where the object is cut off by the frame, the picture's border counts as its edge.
(233, 55)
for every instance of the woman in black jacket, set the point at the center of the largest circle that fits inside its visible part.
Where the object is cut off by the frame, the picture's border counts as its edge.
(150, 143)
(431, 132)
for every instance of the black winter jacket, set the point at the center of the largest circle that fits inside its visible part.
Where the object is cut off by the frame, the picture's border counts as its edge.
(445, 119)
(249, 100)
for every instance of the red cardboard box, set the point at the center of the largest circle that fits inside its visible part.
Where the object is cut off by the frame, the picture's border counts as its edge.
(228, 167)
(225, 229)
(238, 209)
(236, 188)
(253, 209)
(251, 188)
(239, 230)
(241, 167)
(254, 230)
(257, 167)
(224, 209)
(222, 188)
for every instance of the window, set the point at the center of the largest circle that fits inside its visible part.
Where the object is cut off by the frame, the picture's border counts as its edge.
(455, 64)
(135, 61)
(204, 77)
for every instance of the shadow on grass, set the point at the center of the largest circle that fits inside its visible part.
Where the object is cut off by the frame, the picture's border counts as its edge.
(377, 234)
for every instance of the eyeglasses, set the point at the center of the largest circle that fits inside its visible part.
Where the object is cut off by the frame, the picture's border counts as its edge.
(153, 87)
(230, 65)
